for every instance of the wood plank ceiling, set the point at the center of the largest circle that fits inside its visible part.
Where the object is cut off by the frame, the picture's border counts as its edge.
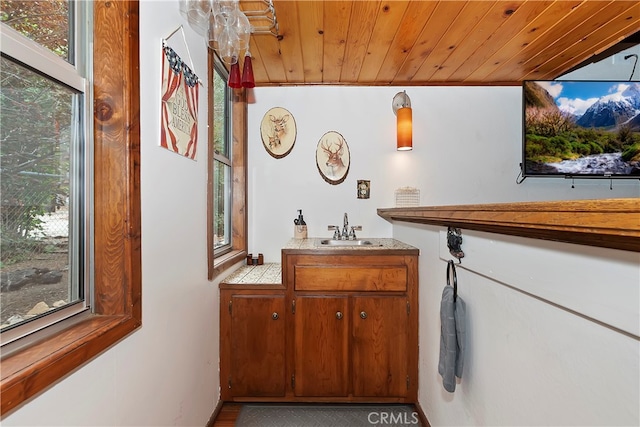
(400, 42)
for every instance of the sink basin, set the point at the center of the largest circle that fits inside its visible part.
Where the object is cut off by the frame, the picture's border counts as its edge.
(358, 242)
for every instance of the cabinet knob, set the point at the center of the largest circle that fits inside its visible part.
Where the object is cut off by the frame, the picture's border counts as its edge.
(339, 315)
(275, 316)
(363, 314)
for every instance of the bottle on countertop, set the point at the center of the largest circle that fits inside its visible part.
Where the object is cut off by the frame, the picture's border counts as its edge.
(300, 229)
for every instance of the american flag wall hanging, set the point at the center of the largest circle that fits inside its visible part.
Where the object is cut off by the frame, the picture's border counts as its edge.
(179, 110)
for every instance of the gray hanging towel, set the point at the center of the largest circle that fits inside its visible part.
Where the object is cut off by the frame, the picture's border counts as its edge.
(452, 338)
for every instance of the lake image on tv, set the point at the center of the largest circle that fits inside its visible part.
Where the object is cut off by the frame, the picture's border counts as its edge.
(581, 128)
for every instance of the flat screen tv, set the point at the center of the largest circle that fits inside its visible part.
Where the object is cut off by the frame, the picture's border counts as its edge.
(581, 129)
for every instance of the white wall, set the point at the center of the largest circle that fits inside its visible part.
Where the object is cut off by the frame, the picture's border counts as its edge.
(166, 373)
(560, 354)
(614, 67)
(467, 149)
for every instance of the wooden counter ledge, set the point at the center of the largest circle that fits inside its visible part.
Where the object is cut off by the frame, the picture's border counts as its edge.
(608, 223)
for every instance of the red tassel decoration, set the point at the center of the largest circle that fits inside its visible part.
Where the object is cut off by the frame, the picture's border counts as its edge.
(234, 76)
(247, 73)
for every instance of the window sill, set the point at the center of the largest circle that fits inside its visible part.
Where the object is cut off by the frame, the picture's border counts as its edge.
(28, 371)
(223, 262)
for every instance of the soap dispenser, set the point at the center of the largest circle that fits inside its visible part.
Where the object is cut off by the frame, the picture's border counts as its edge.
(300, 229)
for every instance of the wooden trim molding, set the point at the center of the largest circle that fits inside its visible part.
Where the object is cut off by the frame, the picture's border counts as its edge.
(608, 223)
(239, 163)
(239, 234)
(226, 261)
(117, 307)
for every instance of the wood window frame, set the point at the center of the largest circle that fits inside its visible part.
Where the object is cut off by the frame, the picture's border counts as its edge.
(117, 309)
(217, 265)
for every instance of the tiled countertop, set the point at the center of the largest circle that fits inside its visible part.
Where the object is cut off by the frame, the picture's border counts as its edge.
(266, 274)
(271, 273)
(313, 243)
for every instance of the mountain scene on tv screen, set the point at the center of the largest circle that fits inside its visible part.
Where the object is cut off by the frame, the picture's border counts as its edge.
(582, 128)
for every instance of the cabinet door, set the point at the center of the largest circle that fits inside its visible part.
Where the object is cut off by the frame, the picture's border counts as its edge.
(257, 345)
(321, 346)
(380, 331)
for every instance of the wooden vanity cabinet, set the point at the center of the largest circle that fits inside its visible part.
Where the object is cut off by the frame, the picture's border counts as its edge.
(355, 327)
(380, 346)
(365, 346)
(252, 350)
(321, 349)
(341, 327)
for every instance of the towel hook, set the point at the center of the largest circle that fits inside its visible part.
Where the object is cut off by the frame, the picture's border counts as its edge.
(454, 241)
(451, 269)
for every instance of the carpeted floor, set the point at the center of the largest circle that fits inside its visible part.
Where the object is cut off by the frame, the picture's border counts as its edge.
(326, 415)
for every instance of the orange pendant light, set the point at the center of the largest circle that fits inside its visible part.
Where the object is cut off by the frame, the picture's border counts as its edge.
(402, 108)
(405, 132)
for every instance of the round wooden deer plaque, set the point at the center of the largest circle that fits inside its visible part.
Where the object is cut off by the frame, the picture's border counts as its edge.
(333, 157)
(278, 131)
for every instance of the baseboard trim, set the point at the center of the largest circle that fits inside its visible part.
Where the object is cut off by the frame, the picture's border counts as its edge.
(423, 418)
(215, 414)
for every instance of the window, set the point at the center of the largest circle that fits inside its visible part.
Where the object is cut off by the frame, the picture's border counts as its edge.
(30, 366)
(44, 164)
(222, 173)
(227, 223)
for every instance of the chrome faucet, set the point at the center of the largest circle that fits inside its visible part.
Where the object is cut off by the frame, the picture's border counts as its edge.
(345, 228)
(352, 233)
(345, 234)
